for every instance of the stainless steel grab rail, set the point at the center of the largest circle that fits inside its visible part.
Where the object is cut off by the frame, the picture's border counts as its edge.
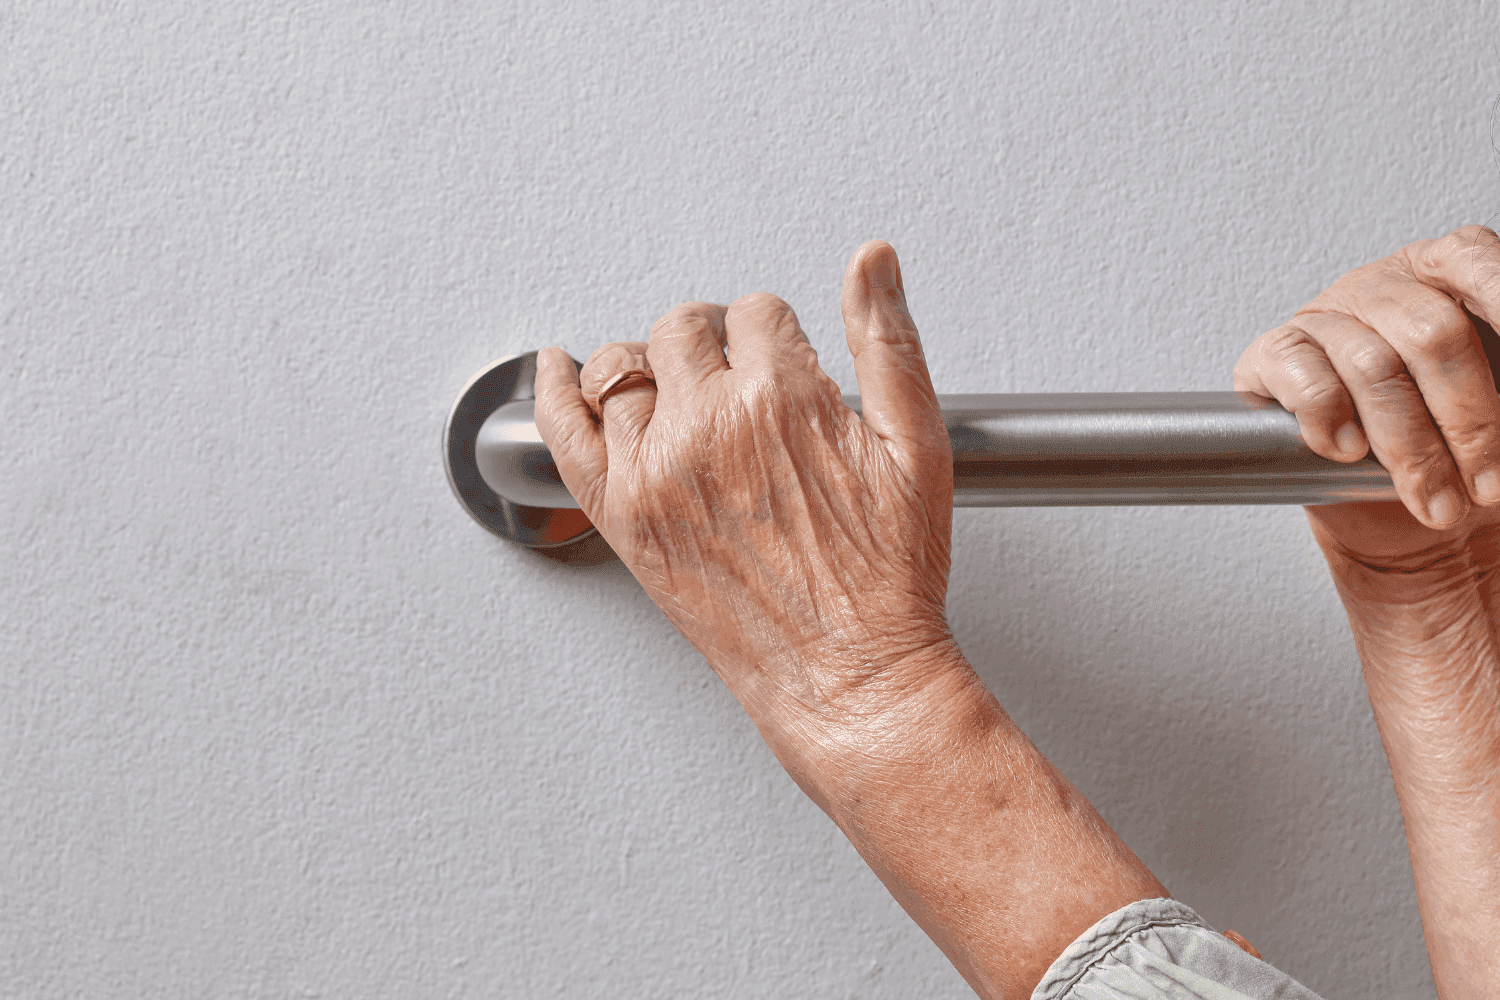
(1009, 450)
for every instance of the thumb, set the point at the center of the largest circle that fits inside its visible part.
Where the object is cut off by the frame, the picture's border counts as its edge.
(895, 390)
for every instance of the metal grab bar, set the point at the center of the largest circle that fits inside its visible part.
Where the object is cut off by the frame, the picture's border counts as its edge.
(1009, 450)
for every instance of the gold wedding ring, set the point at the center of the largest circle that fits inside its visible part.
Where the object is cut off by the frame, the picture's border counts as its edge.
(625, 380)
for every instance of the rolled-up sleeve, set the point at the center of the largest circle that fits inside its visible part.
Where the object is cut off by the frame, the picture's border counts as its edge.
(1160, 949)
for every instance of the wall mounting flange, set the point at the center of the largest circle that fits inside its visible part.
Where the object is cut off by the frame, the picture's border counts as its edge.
(512, 490)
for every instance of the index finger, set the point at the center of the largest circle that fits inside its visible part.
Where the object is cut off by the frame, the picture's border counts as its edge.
(1412, 299)
(1465, 264)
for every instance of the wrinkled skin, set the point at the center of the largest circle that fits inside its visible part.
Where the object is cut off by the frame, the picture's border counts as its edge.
(1409, 344)
(1404, 347)
(803, 551)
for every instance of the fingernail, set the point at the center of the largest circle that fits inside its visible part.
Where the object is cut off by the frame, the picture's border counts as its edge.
(1443, 507)
(1487, 485)
(886, 273)
(1348, 439)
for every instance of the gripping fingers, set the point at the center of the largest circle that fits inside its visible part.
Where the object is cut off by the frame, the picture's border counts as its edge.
(1290, 366)
(567, 427)
(1394, 407)
(1445, 351)
(1331, 370)
(627, 407)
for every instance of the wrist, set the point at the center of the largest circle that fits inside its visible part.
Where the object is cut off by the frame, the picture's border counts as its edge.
(923, 710)
(1423, 626)
(1410, 600)
(1403, 567)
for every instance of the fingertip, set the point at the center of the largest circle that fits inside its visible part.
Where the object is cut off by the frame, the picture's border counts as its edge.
(1445, 508)
(1350, 442)
(559, 361)
(874, 266)
(898, 401)
(883, 268)
(546, 369)
(548, 372)
(549, 381)
(861, 253)
(564, 421)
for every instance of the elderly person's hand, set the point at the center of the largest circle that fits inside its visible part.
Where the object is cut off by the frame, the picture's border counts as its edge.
(803, 550)
(1401, 356)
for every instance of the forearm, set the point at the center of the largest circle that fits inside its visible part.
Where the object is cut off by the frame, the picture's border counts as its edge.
(1425, 630)
(993, 852)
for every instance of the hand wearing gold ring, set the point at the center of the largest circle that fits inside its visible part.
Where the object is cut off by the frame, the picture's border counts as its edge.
(624, 380)
(776, 528)
(804, 550)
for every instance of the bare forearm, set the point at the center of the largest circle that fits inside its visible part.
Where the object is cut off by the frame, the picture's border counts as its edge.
(993, 852)
(1426, 635)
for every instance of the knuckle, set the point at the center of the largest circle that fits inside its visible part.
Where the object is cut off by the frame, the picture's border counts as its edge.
(1285, 347)
(1422, 460)
(1474, 235)
(1321, 395)
(1477, 437)
(1437, 330)
(1474, 242)
(1398, 388)
(1381, 369)
(1423, 250)
(759, 301)
(688, 315)
(1293, 350)
(1284, 340)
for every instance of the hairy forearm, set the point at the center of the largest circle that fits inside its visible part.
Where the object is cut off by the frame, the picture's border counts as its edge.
(993, 852)
(1425, 628)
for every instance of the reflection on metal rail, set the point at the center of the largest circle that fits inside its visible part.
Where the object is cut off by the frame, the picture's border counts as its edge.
(1087, 449)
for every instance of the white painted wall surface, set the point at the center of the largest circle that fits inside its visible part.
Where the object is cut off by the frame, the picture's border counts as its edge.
(278, 720)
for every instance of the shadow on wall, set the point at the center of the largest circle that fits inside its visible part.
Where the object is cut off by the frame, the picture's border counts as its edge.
(1229, 743)
(1209, 707)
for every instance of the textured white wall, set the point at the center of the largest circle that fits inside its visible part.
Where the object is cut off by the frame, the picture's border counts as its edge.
(278, 720)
